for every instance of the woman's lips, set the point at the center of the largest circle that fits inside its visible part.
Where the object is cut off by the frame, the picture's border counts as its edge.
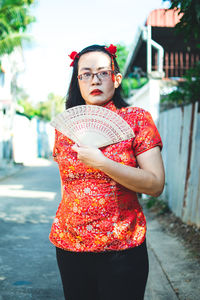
(96, 92)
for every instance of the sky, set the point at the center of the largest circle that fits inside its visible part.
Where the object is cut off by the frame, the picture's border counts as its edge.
(63, 26)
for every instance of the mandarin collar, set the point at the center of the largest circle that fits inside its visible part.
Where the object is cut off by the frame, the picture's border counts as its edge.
(110, 105)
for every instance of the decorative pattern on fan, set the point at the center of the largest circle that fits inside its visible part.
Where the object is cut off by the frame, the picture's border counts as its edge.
(92, 125)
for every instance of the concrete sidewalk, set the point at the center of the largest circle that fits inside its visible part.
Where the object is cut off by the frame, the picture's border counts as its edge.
(174, 271)
(9, 169)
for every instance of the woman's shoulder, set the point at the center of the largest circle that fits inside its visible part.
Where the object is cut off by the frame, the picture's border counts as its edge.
(134, 112)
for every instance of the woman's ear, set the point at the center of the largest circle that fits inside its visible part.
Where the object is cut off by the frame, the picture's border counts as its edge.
(118, 80)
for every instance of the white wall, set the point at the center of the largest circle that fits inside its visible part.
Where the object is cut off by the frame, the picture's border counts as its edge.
(28, 140)
(24, 139)
(148, 98)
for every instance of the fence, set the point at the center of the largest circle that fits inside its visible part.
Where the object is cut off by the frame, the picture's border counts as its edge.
(180, 131)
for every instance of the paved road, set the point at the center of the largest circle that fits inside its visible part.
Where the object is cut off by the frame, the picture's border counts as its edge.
(28, 201)
(28, 269)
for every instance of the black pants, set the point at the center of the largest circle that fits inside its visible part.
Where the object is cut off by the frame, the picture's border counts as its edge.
(113, 275)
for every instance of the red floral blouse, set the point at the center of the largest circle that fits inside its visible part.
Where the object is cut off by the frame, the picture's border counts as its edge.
(96, 213)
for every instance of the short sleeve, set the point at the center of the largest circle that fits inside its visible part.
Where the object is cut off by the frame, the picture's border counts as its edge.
(146, 135)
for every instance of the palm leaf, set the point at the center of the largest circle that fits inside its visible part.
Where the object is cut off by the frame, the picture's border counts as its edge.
(16, 16)
(8, 43)
(4, 26)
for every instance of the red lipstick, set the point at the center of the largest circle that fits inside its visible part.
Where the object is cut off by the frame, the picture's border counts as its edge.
(96, 92)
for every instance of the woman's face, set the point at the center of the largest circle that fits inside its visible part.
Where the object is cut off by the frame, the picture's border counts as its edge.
(96, 91)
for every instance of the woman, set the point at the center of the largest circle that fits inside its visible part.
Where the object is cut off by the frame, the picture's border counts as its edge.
(99, 228)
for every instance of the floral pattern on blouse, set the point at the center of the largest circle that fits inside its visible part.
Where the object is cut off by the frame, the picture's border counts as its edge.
(96, 213)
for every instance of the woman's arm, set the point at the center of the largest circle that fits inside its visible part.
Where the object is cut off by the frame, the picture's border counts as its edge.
(148, 179)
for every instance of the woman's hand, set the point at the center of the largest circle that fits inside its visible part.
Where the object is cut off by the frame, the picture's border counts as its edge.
(90, 156)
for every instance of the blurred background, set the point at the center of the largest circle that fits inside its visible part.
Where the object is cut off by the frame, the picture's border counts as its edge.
(158, 53)
(36, 39)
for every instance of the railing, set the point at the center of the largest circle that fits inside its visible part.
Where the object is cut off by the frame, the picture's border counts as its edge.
(176, 63)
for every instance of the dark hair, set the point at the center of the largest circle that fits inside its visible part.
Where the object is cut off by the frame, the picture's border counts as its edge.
(74, 97)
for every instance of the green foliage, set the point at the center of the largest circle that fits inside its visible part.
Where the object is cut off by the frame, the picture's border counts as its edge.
(151, 201)
(192, 84)
(122, 54)
(187, 91)
(14, 20)
(8, 43)
(54, 105)
(43, 110)
(190, 21)
(125, 88)
(129, 84)
(157, 205)
(29, 109)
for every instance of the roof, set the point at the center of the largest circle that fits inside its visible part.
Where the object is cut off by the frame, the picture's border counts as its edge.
(164, 18)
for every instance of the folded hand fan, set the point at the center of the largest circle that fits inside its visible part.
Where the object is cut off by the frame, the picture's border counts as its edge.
(92, 125)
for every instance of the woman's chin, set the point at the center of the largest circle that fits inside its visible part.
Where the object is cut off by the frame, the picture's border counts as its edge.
(96, 100)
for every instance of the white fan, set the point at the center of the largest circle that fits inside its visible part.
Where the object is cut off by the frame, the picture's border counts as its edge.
(92, 125)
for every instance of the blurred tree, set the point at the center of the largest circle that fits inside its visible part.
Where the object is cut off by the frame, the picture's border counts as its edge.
(131, 83)
(122, 54)
(135, 80)
(48, 109)
(29, 109)
(187, 91)
(45, 109)
(14, 20)
(190, 21)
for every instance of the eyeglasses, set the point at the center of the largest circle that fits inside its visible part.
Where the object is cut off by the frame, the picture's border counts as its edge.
(101, 75)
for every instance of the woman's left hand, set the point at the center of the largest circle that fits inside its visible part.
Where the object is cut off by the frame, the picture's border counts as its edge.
(90, 156)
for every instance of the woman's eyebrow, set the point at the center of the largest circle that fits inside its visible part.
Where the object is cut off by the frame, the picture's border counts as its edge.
(88, 69)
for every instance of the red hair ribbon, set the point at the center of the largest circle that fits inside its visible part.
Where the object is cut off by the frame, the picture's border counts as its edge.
(112, 50)
(73, 56)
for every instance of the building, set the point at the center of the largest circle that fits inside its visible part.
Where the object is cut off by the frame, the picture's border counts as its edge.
(162, 55)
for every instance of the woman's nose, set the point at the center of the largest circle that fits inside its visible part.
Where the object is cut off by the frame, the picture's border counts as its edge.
(95, 79)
